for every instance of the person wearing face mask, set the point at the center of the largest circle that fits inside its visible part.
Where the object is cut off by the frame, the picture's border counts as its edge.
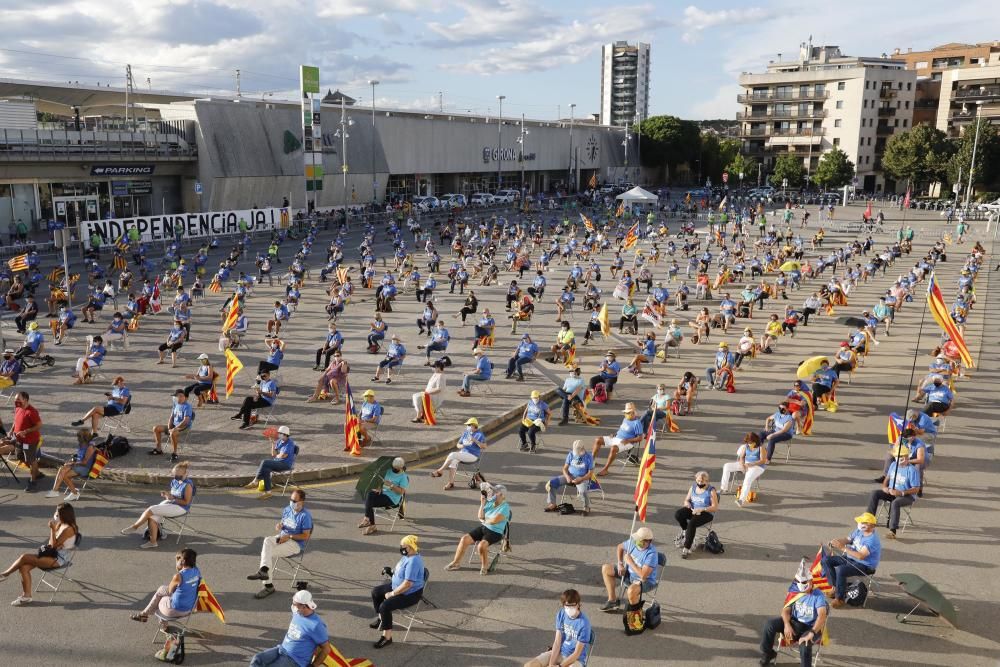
(334, 341)
(573, 635)
(178, 598)
(752, 460)
(403, 590)
(637, 559)
(802, 620)
(610, 368)
(899, 488)
(700, 506)
(176, 503)
(388, 494)
(25, 436)
(10, 369)
(307, 641)
(628, 435)
(64, 536)
(294, 531)
(283, 453)
(659, 403)
(577, 471)
(779, 427)
(470, 448)
(939, 397)
(494, 517)
(860, 553)
(535, 418)
(77, 467)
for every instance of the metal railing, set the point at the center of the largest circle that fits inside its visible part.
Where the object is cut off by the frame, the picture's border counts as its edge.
(886, 111)
(768, 131)
(747, 98)
(23, 145)
(796, 113)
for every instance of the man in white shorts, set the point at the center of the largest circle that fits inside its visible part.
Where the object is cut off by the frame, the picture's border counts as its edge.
(629, 434)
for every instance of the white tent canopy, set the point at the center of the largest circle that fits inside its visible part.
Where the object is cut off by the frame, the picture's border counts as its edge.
(638, 196)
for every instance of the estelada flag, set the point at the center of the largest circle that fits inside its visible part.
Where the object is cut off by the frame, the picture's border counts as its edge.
(208, 602)
(233, 366)
(122, 243)
(808, 413)
(587, 223)
(646, 467)
(336, 659)
(100, 460)
(19, 263)
(119, 263)
(352, 425)
(935, 302)
(631, 237)
(894, 428)
(428, 406)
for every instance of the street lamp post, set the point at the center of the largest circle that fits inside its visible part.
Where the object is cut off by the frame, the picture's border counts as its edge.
(520, 141)
(345, 122)
(373, 83)
(625, 142)
(638, 147)
(500, 98)
(975, 145)
(571, 182)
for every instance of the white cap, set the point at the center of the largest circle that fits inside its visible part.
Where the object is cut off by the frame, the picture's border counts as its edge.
(304, 597)
(202, 356)
(284, 430)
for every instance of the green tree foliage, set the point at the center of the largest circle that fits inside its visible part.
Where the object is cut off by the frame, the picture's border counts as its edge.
(742, 164)
(788, 166)
(670, 141)
(834, 170)
(987, 168)
(920, 155)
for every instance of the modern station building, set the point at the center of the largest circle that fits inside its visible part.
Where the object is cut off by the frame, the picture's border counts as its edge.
(72, 152)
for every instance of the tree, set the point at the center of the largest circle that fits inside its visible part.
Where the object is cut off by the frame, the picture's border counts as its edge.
(670, 141)
(834, 169)
(987, 168)
(920, 156)
(741, 164)
(788, 166)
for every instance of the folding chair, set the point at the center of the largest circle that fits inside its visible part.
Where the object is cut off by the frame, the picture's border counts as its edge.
(58, 573)
(477, 463)
(661, 563)
(165, 628)
(792, 647)
(410, 614)
(393, 514)
(737, 483)
(178, 523)
(120, 421)
(907, 520)
(595, 485)
(590, 648)
(494, 561)
(294, 563)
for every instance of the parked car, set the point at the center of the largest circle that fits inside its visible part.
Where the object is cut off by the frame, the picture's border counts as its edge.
(453, 200)
(426, 203)
(989, 206)
(506, 196)
(481, 199)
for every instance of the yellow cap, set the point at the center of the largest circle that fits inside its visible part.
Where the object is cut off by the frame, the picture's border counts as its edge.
(472, 420)
(900, 450)
(368, 393)
(535, 394)
(867, 517)
(723, 344)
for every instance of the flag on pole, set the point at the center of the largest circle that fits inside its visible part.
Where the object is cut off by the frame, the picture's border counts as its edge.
(342, 274)
(119, 263)
(587, 223)
(352, 426)
(19, 263)
(894, 428)
(722, 204)
(215, 285)
(122, 243)
(631, 237)
(602, 317)
(208, 602)
(820, 582)
(808, 413)
(646, 467)
(336, 659)
(100, 460)
(935, 302)
(906, 199)
(154, 299)
(428, 406)
(593, 181)
(233, 366)
(56, 274)
(233, 315)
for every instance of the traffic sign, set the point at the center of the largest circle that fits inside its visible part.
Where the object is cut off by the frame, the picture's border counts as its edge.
(784, 182)
(725, 177)
(197, 187)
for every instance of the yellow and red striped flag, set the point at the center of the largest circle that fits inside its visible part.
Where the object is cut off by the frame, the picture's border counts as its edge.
(604, 320)
(671, 424)
(646, 467)
(631, 237)
(215, 285)
(336, 659)
(352, 425)
(233, 315)
(100, 460)
(571, 358)
(894, 428)
(809, 415)
(820, 582)
(428, 405)
(119, 263)
(19, 263)
(620, 210)
(935, 302)
(233, 366)
(587, 223)
(593, 181)
(208, 602)
(342, 274)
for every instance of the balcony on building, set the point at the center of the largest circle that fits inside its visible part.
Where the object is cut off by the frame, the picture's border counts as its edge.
(60, 141)
(887, 93)
(886, 112)
(882, 130)
(774, 95)
(771, 114)
(975, 93)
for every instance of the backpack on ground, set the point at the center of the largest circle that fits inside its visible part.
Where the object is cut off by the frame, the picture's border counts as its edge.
(653, 616)
(713, 544)
(634, 619)
(476, 479)
(856, 594)
(173, 648)
(116, 446)
(600, 393)
(566, 508)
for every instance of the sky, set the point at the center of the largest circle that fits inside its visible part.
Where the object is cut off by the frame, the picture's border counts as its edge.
(458, 55)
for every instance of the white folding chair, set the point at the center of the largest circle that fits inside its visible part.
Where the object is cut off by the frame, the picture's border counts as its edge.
(118, 422)
(178, 523)
(595, 485)
(171, 625)
(59, 574)
(409, 615)
(393, 514)
(883, 512)
(294, 563)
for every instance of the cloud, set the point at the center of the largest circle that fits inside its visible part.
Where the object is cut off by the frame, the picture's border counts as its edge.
(493, 21)
(205, 23)
(697, 20)
(565, 44)
(348, 9)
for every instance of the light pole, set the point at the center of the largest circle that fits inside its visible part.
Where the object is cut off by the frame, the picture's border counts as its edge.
(373, 83)
(638, 147)
(571, 184)
(975, 145)
(625, 142)
(345, 122)
(520, 141)
(500, 98)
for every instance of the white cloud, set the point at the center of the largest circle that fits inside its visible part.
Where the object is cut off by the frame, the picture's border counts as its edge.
(347, 9)
(697, 20)
(491, 21)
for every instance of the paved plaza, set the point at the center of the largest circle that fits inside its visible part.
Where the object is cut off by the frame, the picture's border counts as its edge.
(714, 605)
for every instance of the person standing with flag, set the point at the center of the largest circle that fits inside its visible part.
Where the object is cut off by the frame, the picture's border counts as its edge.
(178, 598)
(700, 506)
(803, 619)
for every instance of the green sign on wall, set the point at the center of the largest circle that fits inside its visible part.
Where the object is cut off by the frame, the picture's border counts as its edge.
(309, 77)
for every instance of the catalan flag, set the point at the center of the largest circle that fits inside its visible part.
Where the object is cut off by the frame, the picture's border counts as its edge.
(571, 358)
(215, 285)
(646, 467)
(631, 237)
(808, 414)
(602, 317)
(233, 366)
(587, 223)
(122, 243)
(428, 406)
(56, 274)
(119, 263)
(894, 428)
(722, 204)
(208, 602)
(336, 659)
(593, 181)
(935, 302)
(352, 425)
(342, 274)
(233, 315)
(19, 263)
(671, 424)
(100, 460)
(620, 210)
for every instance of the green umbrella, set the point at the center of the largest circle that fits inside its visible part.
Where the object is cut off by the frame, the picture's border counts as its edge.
(371, 477)
(926, 594)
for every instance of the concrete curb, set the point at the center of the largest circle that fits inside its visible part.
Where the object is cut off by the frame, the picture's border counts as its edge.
(313, 474)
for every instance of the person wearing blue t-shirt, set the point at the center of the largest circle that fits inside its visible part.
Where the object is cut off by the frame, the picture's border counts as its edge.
(637, 560)
(93, 357)
(802, 620)
(177, 599)
(824, 382)
(573, 635)
(535, 418)
(577, 471)
(899, 488)
(282, 459)
(494, 517)
(334, 341)
(629, 434)
(181, 418)
(939, 397)
(610, 368)
(860, 553)
(280, 316)
(526, 352)
(390, 493)
(779, 427)
(265, 393)
(173, 342)
(118, 399)
(294, 531)
(482, 373)
(275, 354)
(176, 503)
(307, 635)
(404, 589)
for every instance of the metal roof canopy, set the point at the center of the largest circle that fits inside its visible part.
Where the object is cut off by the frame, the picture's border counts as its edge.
(84, 96)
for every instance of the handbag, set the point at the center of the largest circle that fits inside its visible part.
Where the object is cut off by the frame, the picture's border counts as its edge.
(653, 615)
(48, 551)
(634, 619)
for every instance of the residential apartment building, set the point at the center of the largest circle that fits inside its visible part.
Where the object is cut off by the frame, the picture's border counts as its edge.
(624, 83)
(826, 99)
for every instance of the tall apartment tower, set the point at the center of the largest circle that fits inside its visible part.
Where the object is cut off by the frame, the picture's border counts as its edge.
(824, 99)
(624, 83)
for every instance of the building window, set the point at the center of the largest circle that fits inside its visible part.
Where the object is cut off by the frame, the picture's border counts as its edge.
(895, 122)
(921, 65)
(935, 76)
(836, 141)
(869, 141)
(841, 85)
(868, 159)
(861, 142)
(909, 85)
(906, 121)
(866, 85)
(836, 123)
(907, 103)
(840, 104)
